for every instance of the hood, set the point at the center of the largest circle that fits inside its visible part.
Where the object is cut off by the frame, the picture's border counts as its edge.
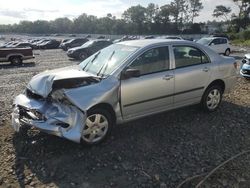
(64, 78)
(247, 56)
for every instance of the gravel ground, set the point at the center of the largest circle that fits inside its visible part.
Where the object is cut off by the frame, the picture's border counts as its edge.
(157, 151)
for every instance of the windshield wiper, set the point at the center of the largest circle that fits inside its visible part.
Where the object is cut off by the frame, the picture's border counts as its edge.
(91, 60)
(105, 65)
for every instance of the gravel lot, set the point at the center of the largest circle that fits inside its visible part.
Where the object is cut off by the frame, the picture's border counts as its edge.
(157, 151)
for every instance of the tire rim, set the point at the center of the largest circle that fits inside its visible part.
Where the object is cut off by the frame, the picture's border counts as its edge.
(96, 127)
(16, 61)
(213, 99)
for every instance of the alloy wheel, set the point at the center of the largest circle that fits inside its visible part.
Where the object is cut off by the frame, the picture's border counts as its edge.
(96, 128)
(213, 99)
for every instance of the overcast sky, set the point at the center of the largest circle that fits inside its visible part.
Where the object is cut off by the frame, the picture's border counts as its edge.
(12, 11)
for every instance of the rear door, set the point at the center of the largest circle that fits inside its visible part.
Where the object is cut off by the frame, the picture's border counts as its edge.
(192, 73)
(153, 90)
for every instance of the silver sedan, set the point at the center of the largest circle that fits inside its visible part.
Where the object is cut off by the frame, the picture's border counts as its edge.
(120, 83)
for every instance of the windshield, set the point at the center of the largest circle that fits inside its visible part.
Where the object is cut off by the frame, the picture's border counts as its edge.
(204, 41)
(89, 43)
(107, 60)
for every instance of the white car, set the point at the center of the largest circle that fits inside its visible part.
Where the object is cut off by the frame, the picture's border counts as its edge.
(218, 44)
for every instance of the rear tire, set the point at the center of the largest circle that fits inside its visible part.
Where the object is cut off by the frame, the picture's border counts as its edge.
(212, 98)
(17, 60)
(98, 126)
(227, 52)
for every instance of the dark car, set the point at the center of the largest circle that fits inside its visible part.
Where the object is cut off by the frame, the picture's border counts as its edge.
(21, 45)
(51, 44)
(36, 44)
(73, 43)
(88, 49)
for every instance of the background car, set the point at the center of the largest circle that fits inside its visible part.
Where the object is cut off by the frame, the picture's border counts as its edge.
(88, 49)
(245, 69)
(51, 44)
(73, 43)
(218, 44)
(174, 37)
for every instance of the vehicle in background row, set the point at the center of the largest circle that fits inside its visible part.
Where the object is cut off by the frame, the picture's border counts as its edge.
(87, 49)
(174, 37)
(245, 68)
(51, 44)
(15, 55)
(123, 82)
(125, 38)
(218, 44)
(21, 45)
(35, 45)
(73, 43)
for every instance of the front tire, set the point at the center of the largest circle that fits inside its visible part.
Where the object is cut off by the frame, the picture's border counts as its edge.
(212, 98)
(97, 127)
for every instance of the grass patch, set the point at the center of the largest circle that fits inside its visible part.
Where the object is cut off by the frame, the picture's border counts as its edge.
(241, 42)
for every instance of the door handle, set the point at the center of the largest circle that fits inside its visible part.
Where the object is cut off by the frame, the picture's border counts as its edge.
(168, 77)
(206, 69)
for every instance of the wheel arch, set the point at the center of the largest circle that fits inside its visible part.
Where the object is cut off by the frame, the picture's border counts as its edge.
(104, 106)
(217, 82)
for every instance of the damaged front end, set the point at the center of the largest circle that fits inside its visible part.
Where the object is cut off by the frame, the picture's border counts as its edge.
(49, 116)
(47, 108)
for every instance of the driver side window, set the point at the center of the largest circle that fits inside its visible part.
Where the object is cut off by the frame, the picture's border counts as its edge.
(152, 61)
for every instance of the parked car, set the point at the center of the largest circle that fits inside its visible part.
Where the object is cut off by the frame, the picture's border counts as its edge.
(73, 43)
(88, 49)
(174, 37)
(245, 68)
(51, 44)
(35, 45)
(149, 37)
(123, 82)
(21, 45)
(218, 44)
(15, 55)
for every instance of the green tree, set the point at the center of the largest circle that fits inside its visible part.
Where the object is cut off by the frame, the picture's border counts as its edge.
(137, 15)
(222, 11)
(195, 6)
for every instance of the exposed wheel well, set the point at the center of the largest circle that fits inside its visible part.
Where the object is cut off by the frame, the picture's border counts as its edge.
(107, 107)
(218, 82)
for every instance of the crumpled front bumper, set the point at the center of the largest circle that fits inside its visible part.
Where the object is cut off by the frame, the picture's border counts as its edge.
(58, 119)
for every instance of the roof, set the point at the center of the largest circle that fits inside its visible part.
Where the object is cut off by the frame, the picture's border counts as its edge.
(147, 42)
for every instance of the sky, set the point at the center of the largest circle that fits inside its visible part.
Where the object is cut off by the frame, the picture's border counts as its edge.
(13, 11)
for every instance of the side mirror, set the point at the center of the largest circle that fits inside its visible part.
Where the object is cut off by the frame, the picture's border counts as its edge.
(130, 73)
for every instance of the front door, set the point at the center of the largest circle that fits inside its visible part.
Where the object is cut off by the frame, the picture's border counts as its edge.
(153, 90)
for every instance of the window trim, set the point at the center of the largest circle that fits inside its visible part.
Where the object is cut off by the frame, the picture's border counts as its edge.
(181, 45)
(162, 46)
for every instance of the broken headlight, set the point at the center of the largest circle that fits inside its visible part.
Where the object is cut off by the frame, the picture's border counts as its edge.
(59, 96)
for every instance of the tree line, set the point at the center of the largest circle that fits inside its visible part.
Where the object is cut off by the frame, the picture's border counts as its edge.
(177, 17)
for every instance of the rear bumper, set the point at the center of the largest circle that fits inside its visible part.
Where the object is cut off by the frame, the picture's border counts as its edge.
(57, 119)
(28, 57)
(230, 83)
